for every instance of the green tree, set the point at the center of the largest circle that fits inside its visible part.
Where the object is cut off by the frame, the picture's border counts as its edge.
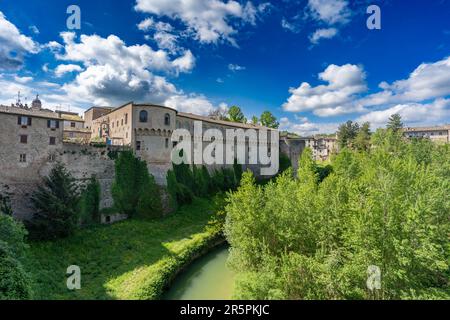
(362, 139)
(347, 133)
(90, 202)
(56, 203)
(134, 190)
(255, 120)
(269, 120)
(235, 114)
(395, 123)
(330, 232)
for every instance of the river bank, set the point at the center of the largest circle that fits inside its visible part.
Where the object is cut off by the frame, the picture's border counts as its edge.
(134, 259)
(206, 278)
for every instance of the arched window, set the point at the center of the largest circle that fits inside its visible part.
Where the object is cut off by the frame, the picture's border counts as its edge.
(143, 116)
(167, 119)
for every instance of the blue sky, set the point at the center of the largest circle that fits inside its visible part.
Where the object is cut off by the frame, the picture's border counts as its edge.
(313, 63)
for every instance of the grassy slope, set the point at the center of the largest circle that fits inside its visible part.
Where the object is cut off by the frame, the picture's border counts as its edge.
(127, 260)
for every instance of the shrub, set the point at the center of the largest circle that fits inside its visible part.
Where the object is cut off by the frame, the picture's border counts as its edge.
(218, 180)
(200, 182)
(285, 163)
(172, 188)
(56, 202)
(178, 192)
(13, 233)
(14, 282)
(149, 204)
(5, 205)
(237, 168)
(229, 179)
(90, 202)
(387, 207)
(184, 175)
(134, 190)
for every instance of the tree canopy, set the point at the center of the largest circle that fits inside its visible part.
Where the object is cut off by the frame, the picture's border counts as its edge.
(269, 120)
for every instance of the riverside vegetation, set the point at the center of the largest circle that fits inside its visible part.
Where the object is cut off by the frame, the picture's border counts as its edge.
(314, 237)
(133, 259)
(381, 201)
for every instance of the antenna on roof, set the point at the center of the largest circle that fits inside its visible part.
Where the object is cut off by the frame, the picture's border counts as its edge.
(18, 98)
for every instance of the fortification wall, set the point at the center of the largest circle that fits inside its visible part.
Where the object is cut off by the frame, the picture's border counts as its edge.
(81, 161)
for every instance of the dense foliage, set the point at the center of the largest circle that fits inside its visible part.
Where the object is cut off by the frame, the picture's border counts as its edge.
(235, 114)
(90, 202)
(14, 282)
(5, 205)
(133, 259)
(305, 239)
(185, 182)
(134, 189)
(56, 203)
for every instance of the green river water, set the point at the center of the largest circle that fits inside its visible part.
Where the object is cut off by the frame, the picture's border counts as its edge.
(207, 278)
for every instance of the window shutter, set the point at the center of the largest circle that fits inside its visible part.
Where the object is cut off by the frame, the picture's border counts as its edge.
(48, 123)
(19, 120)
(29, 121)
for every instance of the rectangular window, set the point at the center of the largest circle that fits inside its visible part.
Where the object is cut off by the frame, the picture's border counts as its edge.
(126, 118)
(138, 145)
(52, 141)
(23, 158)
(51, 157)
(23, 138)
(174, 144)
(72, 124)
(167, 143)
(24, 121)
(121, 122)
(53, 124)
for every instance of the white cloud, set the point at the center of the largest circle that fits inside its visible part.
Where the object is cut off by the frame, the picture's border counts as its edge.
(34, 29)
(319, 34)
(337, 97)
(235, 67)
(427, 81)
(23, 79)
(306, 128)
(163, 34)
(329, 11)
(293, 27)
(67, 68)
(197, 104)
(13, 45)
(146, 25)
(208, 20)
(413, 114)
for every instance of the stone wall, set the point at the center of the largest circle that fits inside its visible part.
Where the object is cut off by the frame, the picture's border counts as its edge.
(81, 161)
(293, 148)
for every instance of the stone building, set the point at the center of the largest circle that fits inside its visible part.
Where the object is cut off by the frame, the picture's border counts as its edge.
(439, 134)
(73, 128)
(148, 128)
(32, 139)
